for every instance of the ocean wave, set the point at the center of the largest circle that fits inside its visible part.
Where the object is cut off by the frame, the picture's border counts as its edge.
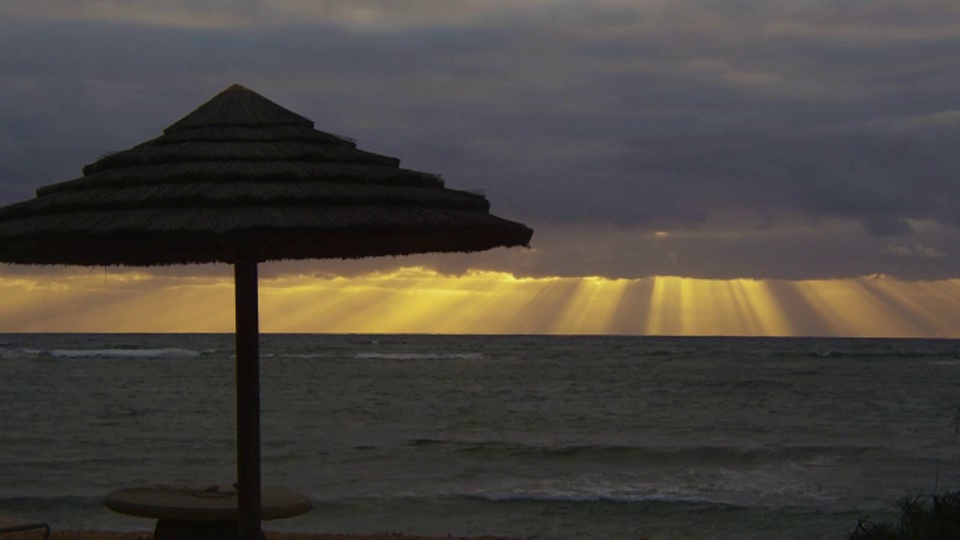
(418, 356)
(870, 354)
(12, 502)
(875, 350)
(774, 486)
(122, 353)
(597, 497)
(547, 496)
(62, 462)
(648, 454)
(948, 363)
(660, 352)
(575, 497)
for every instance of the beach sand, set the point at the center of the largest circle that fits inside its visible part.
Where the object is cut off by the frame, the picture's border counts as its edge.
(147, 535)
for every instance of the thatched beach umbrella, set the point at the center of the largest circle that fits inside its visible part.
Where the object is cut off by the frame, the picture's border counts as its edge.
(242, 180)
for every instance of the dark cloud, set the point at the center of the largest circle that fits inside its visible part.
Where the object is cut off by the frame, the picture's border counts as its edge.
(722, 124)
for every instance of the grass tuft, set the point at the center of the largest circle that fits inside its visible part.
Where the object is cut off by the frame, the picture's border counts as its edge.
(927, 517)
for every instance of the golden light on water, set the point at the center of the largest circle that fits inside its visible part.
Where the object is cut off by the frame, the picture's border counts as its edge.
(419, 300)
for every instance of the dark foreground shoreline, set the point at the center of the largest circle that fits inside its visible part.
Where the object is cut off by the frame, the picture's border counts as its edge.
(147, 535)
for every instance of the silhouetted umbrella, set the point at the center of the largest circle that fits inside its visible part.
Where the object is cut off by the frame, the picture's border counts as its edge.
(242, 180)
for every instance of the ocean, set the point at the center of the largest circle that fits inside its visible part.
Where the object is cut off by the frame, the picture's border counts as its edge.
(542, 436)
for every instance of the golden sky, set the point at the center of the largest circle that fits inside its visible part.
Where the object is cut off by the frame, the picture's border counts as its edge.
(420, 300)
(636, 137)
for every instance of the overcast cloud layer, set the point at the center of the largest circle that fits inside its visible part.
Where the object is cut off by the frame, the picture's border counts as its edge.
(770, 139)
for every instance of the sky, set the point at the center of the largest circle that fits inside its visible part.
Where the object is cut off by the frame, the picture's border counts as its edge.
(730, 167)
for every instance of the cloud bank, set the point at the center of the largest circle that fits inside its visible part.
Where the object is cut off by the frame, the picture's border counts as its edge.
(783, 140)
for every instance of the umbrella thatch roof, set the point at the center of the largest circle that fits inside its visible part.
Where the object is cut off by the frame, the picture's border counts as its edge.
(242, 180)
(242, 177)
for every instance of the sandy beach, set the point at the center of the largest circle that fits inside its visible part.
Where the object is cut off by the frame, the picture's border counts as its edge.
(147, 535)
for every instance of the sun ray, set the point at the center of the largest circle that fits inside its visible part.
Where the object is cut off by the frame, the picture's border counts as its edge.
(663, 312)
(591, 307)
(632, 308)
(540, 314)
(758, 310)
(421, 300)
(850, 308)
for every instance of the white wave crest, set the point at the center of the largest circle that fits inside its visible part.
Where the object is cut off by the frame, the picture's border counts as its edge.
(418, 356)
(124, 353)
(949, 363)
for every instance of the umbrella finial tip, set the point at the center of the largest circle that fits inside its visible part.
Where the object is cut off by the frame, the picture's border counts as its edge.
(236, 88)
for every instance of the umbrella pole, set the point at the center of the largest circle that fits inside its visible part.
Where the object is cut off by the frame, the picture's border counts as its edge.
(248, 398)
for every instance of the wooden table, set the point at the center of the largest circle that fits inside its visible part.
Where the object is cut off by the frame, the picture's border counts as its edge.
(192, 513)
